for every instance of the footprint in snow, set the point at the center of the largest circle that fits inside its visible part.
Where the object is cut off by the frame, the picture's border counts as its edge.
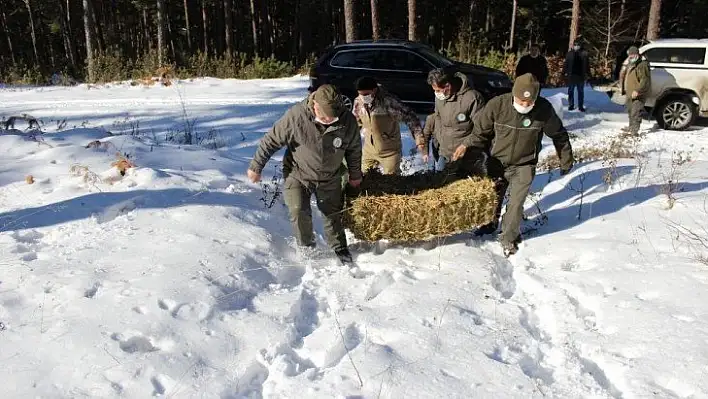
(136, 342)
(91, 292)
(379, 284)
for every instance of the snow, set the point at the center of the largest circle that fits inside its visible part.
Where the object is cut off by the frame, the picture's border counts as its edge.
(176, 280)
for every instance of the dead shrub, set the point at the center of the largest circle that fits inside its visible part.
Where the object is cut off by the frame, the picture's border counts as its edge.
(29, 179)
(122, 163)
(672, 176)
(87, 175)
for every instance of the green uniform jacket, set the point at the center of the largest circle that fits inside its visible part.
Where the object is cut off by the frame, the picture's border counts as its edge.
(314, 152)
(638, 78)
(454, 116)
(514, 139)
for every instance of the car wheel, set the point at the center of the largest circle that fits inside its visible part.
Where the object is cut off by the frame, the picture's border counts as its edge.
(676, 113)
(348, 102)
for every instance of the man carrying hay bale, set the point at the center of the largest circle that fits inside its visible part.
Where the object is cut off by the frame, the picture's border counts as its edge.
(510, 129)
(319, 134)
(456, 105)
(380, 113)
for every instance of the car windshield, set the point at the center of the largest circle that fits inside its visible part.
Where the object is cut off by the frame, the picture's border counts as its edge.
(439, 58)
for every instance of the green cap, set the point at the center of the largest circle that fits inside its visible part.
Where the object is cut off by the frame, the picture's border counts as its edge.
(329, 100)
(526, 87)
(632, 50)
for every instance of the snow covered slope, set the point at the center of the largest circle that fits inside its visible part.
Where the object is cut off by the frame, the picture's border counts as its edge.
(177, 280)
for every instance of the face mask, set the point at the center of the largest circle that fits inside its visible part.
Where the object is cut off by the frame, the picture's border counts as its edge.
(327, 124)
(368, 99)
(521, 109)
(576, 48)
(440, 96)
(632, 60)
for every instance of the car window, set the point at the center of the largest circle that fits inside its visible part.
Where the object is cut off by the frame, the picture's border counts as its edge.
(402, 60)
(678, 55)
(436, 56)
(354, 59)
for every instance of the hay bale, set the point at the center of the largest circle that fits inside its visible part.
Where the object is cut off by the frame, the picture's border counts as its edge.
(419, 207)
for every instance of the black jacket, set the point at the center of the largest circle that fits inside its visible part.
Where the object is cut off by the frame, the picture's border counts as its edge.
(538, 67)
(577, 63)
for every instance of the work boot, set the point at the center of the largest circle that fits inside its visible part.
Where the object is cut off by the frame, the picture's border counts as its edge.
(344, 256)
(509, 248)
(489, 228)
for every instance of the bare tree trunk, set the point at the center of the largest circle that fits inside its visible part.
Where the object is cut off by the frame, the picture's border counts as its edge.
(574, 23)
(488, 19)
(160, 32)
(171, 36)
(98, 31)
(229, 27)
(375, 27)
(513, 25)
(254, 28)
(88, 31)
(146, 31)
(32, 30)
(186, 24)
(205, 28)
(9, 40)
(609, 31)
(654, 20)
(412, 25)
(66, 36)
(349, 21)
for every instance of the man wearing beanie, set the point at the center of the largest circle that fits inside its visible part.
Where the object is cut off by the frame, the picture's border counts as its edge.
(635, 81)
(319, 134)
(510, 129)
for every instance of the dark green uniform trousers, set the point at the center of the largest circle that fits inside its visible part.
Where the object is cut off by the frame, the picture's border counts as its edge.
(517, 180)
(329, 201)
(634, 110)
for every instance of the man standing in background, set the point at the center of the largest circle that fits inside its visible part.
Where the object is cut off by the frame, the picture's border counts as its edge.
(577, 71)
(535, 64)
(635, 80)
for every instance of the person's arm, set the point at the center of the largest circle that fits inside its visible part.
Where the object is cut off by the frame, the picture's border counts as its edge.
(276, 138)
(403, 114)
(561, 140)
(352, 154)
(483, 130)
(357, 109)
(644, 75)
(475, 108)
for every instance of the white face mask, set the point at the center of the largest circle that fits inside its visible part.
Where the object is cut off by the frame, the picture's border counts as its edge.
(326, 124)
(521, 109)
(440, 96)
(368, 99)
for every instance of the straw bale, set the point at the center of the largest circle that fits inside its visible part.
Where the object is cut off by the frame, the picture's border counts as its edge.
(419, 207)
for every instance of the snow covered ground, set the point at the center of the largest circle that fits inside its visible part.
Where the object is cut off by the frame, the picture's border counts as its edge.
(176, 280)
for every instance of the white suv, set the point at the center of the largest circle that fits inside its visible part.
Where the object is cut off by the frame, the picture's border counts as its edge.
(679, 82)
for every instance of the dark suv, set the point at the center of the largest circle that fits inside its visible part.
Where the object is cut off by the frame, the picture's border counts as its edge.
(401, 67)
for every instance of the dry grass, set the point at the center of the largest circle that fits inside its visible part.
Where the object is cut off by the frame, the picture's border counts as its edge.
(88, 176)
(29, 179)
(419, 207)
(122, 163)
